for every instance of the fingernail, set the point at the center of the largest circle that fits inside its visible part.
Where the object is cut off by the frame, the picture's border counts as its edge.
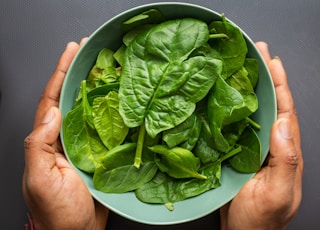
(49, 116)
(277, 58)
(83, 40)
(285, 128)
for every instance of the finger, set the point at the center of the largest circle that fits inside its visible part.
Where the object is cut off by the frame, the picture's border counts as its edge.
(264, 50)
(51, 94)
(285, 102)
(284, 99)
(284, 157)
(83, 41)
(39, 153)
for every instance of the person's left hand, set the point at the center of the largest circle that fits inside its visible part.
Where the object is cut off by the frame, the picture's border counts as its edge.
(53, 191)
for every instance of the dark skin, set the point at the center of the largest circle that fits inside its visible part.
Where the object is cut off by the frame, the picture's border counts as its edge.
(54, 192)
(58, 198)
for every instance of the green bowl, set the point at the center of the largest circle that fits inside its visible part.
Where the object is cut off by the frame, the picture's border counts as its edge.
(127, 205)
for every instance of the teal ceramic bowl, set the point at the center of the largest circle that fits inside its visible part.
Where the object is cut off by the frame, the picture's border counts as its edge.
(127, 205)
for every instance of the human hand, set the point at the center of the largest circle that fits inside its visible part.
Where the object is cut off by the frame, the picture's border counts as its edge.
(271, 199)
(53, 191)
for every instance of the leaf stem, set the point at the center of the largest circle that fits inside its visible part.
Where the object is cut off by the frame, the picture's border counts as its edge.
(231, 153)
(224, 157)
(253, 123)
(215, 36)
(87, 112)
(169, 206)
(137, 158)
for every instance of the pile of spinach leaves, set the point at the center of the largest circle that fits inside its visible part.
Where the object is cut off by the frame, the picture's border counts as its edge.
(161, 114)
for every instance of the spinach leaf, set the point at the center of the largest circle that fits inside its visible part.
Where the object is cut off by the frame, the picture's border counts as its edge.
(105, 59)
(104, 71)
(240, 81)
(177, 162)
(185, 134)
(233, 131)
(251, 65)
(205, 148)
(159, 85)
(82, 142)
(164, 189)
(119, 55)
(227, 104)
(132, 34)
(249, 160)
(101, 91)
(242, 84)
(107, 120)
(191, 142)
(117, 174)
(232, 49)
(151, 16)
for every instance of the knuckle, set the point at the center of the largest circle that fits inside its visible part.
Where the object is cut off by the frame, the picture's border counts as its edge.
(32, 143)
(29, 141)
(292, 160)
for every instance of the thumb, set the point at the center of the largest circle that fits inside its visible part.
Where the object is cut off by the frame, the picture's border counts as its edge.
(39, 152)
(50, 126)
(283, 160)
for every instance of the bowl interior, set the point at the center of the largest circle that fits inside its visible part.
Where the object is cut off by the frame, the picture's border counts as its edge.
(127, 205)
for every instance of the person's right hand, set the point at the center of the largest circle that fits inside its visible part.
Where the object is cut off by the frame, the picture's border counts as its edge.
(55, 194)
(271, 198)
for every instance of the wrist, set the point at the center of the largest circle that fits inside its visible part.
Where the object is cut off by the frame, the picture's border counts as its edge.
(30, 224)
(255, 227)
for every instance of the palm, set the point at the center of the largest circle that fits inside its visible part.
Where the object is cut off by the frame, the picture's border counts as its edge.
(73, 196)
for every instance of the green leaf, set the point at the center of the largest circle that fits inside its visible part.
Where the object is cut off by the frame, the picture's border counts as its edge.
(177, 162)
(232, 49)
(164, 189)
(233, 131)
(249, 160)
(81, 140)
(221, 104)
(105, 59)
(107, 120)
(185, 135)
(117, 173)
(242, 84)
(251, 65)
(159, 85)
(227, 105)
(101, 91)
(151, 16)
(129, 37)
(119, 54)
(109, 75)
(205, 148)
(104, 71)
(120, 155)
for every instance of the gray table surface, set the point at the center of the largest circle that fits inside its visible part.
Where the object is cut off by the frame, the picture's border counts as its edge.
(34, 33)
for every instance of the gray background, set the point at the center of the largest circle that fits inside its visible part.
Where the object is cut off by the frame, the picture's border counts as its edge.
(33, 33)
